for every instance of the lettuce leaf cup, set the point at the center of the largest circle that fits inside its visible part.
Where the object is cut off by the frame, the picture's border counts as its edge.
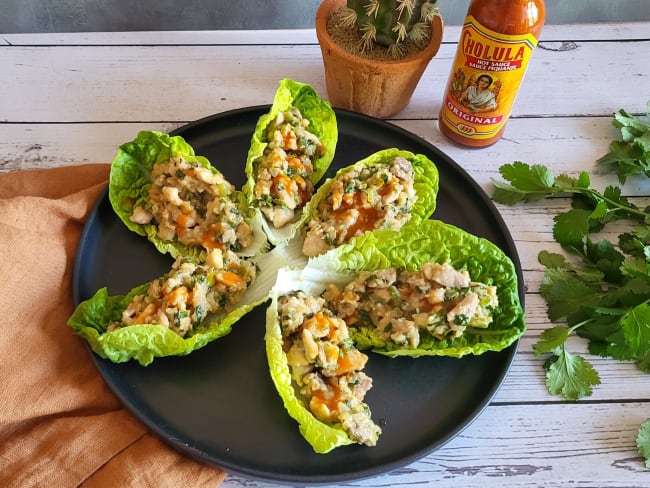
(382, 191)
(291, 149)
(162, 190)
(193, 304)
(314, 366)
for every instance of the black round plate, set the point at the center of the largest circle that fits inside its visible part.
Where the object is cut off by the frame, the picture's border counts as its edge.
(219, 404)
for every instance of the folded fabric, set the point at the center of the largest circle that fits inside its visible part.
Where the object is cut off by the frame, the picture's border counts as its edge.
(60, 425)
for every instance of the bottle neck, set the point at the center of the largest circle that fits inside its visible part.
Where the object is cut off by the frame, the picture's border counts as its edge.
(513, 17)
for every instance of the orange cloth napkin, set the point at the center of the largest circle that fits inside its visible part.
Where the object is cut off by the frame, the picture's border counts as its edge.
(60, 425)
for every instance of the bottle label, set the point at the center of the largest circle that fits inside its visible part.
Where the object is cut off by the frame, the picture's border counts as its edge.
(487, 72)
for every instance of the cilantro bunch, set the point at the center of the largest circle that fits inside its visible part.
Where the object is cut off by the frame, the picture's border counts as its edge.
(601, 290)
(631, 155)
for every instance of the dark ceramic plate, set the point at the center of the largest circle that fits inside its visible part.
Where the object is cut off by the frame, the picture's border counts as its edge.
(219, 404)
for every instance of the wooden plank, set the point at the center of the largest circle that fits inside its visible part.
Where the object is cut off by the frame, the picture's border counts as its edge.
(551, 33)
(79, 84)
(159, 38)
(525, 446)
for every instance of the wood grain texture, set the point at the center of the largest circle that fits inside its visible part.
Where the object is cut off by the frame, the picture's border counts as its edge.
(77, 84)
(73, 98)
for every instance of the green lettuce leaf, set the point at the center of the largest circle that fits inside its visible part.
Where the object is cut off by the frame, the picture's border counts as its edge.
(130, 180)
(426, 182)
(145, 342)
(322, 123)
(434, 241)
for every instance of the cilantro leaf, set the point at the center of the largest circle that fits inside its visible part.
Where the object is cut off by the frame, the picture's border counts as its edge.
(636, 329)
(552, 260)
(631, 155)
(566, 295)
(644, 363)
(526, 183)
(570, 376)
(643, 442)
(528, 178)
(605, 258)
(551, 339)
(571, 227)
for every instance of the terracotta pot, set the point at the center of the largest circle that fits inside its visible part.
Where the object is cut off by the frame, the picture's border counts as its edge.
(373, 87)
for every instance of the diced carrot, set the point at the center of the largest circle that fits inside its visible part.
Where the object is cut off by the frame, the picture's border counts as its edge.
(177, 296)
(330, 398)
(209, 242)
(344, 365)
(181, 223)
(228, 278)
(141, 318)
(332, 354)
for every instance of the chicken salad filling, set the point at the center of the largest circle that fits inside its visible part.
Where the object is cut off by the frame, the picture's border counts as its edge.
(365, 198)
(191, 290)
(283, 173)
(194, 205)
(326, 366)
(400, 306)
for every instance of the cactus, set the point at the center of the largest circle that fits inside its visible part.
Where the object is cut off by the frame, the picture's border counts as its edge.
(390, 22)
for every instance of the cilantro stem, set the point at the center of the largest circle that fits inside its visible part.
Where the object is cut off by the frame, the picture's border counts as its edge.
(629, 209)
(575, 327)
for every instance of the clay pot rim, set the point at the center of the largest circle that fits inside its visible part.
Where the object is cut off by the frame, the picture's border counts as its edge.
(326, 8)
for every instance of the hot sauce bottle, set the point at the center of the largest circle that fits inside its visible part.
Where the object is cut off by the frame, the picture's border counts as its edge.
(496, 43)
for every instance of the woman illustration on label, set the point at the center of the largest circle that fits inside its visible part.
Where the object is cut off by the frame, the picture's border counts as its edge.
(478, 97)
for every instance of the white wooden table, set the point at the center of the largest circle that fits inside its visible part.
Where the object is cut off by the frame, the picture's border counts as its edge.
(73, 98)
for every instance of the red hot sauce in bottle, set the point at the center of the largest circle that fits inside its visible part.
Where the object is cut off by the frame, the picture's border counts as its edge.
(496, 43)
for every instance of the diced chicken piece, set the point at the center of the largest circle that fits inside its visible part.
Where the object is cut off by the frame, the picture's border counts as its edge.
(466, 307)
(207, 176)
(296, 356)
(336, 194)
(214, 259)
(171, 193)
(405, 332)
(445, 275)
(435, 296)
(361, 428)
(166, 231)
(279, 216)
(390, 194)
(228, 236)
(402, 169)
(359, 384)
(347, 304)
(314, 245)
(244, 234)
(310, 345)
(381, 278)
(263, 186)
(140, 216)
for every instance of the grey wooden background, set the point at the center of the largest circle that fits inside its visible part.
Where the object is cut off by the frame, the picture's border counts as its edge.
(23, 16)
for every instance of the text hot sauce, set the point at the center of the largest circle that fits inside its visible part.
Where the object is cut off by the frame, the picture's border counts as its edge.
(496, 43)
